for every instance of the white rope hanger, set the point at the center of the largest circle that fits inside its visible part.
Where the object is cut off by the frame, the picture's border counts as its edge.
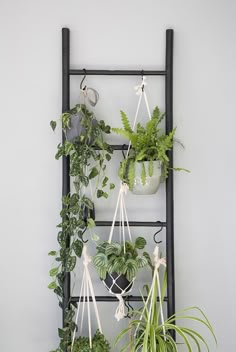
(120, 311)
(156, 279)
(86, 290)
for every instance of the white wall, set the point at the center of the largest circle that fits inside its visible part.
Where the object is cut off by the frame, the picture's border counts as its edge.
(116, 34)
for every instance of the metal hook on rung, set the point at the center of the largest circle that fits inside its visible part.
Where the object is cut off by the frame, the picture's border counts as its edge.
(129, 307)
(81, 236)
(81, 83)
(156, 233)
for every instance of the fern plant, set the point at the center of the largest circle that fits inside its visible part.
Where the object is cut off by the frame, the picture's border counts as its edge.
(148, 143)
(114, 257)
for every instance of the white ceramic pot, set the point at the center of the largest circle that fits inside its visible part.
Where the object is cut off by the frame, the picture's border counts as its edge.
(152, 183)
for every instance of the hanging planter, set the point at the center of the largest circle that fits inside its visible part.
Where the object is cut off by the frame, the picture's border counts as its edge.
(146, 163)
(98, 342)
(118, 263)
(148, 184)
(150, 331)
(118, 283)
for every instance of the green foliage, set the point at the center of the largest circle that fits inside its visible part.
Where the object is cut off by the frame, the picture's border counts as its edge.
(148, 143)
(149, 330)
(99, 344)
(114, 257)
(88, 155)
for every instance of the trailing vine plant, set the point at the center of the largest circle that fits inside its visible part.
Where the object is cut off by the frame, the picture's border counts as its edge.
(88, 154)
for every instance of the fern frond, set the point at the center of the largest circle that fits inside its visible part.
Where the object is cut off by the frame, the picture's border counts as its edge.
(143, 174)
(150, 168)
(125, 121)
(131, 174)
(122, 132)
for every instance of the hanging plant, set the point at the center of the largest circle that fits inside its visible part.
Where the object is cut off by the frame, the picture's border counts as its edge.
(118, 264)
(99, 344)
(151, 332)
(147, 162)
(88, 153)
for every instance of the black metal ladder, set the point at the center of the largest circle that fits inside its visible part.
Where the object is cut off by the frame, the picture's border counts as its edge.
(169, 223)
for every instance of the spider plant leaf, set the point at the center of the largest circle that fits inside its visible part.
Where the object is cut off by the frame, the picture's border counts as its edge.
(181, 334)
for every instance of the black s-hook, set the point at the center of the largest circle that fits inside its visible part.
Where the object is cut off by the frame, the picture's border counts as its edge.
(156, 233)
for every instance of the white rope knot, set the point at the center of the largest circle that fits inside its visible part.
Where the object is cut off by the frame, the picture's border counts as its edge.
(157, 260)
(120, 310)
(124, 188)
(87, 258)
(139, 89)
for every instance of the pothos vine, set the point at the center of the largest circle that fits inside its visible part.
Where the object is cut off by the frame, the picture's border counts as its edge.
(88, 154)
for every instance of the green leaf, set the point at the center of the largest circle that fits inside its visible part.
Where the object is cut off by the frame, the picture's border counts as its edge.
(101, 193)
(125, 122)
(90, 223)
(147, 256)
(95, 237)
(141, 261)
(53, 125)
(65, 119)
(102, 272)
(143, 174)
(140, 243)
(104, 182)
(87, 202)
(70, 263)
(77, 246)
(113, 248)
(112, 186)
(118, 265)
(108, 157)
(53, 272)
(131, 269)
(100, 260)
(150, 168)
(93, 173)
(131, 173)
(52, 253)
(52, 285)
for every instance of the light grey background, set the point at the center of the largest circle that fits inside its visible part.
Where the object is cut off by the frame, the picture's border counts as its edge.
(116, 34)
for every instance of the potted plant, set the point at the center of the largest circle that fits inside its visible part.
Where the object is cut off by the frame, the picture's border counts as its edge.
(150, 335)
(99, 344)
(117, 264)
(88, 153)
(147, 162)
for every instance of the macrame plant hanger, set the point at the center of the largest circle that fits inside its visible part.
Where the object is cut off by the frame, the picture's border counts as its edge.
(86, 291)
(120, 311)
(158, 261)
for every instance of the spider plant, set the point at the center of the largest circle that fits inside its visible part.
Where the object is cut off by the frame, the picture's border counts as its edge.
(151, 335)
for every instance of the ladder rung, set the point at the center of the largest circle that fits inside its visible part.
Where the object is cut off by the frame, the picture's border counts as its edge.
(117, 72)
(76, 299)
(133, 223)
